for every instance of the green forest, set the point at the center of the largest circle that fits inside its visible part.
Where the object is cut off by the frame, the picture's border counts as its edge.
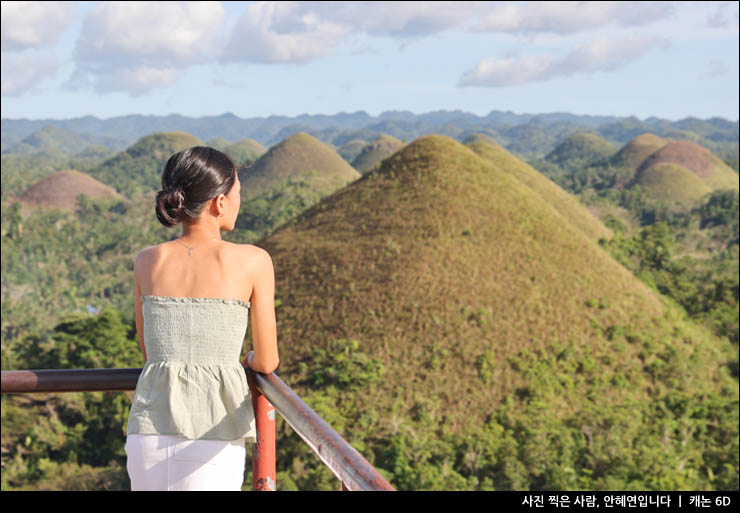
(68, 303)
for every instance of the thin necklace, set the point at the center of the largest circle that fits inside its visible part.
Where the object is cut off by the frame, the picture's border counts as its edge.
(190, 250)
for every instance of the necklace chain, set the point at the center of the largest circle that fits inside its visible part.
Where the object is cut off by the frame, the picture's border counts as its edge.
(190, 250)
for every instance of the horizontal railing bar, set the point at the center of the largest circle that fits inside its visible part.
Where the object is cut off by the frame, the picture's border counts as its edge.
(69, 380)
(355, 472)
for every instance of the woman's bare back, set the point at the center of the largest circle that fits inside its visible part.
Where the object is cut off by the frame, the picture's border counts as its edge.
(217, 269)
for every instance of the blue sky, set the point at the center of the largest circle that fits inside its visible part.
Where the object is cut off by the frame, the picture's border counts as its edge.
(666, 59)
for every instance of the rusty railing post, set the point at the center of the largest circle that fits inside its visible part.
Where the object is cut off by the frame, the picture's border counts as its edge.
(263, 454)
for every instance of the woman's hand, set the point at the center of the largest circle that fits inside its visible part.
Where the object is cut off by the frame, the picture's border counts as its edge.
(249, 362)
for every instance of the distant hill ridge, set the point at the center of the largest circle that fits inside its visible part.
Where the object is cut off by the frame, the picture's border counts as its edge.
(53, 138)
(521, 133)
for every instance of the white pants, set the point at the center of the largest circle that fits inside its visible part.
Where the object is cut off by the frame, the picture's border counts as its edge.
(165, 463)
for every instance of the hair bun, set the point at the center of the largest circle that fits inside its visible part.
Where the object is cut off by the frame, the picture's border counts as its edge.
(171, 206)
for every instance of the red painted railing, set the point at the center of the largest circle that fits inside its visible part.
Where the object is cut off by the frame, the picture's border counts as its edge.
(352, 469)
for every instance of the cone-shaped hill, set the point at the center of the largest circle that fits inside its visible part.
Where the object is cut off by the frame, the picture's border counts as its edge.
(465, 285)
(349, 150)
(242, 152)
(139, 167)
(581, 149)
(478, 138)
(218, 143)
(245, 151)
(566, 204)
(683, 171)
(631, 155)
(60, 190)
(299, 157)
(372, 154)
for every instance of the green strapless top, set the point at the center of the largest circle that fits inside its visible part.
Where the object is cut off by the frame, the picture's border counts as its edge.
(193, 384)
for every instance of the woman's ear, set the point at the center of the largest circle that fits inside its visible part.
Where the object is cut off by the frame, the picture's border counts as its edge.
(219, 205)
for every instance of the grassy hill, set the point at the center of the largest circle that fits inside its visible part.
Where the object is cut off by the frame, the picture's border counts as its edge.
(298, 155)
(349, 150)
(696, 159)
(484, 138)
(245, 151)
(632, 154)
(60, 190)
(218, 143)
(566, 204)
(139, 168)
(289, 178)
(372, 154)
(672, 184)
(581, 150)
(681, 173)
(448, 320)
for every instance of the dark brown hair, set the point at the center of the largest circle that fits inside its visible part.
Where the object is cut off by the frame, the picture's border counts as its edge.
(190, 179)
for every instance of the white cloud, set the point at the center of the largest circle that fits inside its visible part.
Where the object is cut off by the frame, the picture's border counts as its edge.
(603, 54)
(29, 25)
(271, 32)
(137, 46)
(133, 80)
(495, 72)
(401, 19)
(570, 17)
(24, 73)
(282, 32)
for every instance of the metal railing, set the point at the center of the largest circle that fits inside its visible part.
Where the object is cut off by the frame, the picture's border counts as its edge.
(269, 394)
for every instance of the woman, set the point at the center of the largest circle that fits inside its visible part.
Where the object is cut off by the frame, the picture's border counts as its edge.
(191, 414)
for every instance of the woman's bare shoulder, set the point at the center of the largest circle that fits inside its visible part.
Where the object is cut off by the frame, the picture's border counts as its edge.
(150, 258)
(148, 253)
(248, 251)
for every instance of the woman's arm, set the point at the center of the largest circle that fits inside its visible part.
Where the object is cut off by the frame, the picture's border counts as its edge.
(138, 314)
(265, 357)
